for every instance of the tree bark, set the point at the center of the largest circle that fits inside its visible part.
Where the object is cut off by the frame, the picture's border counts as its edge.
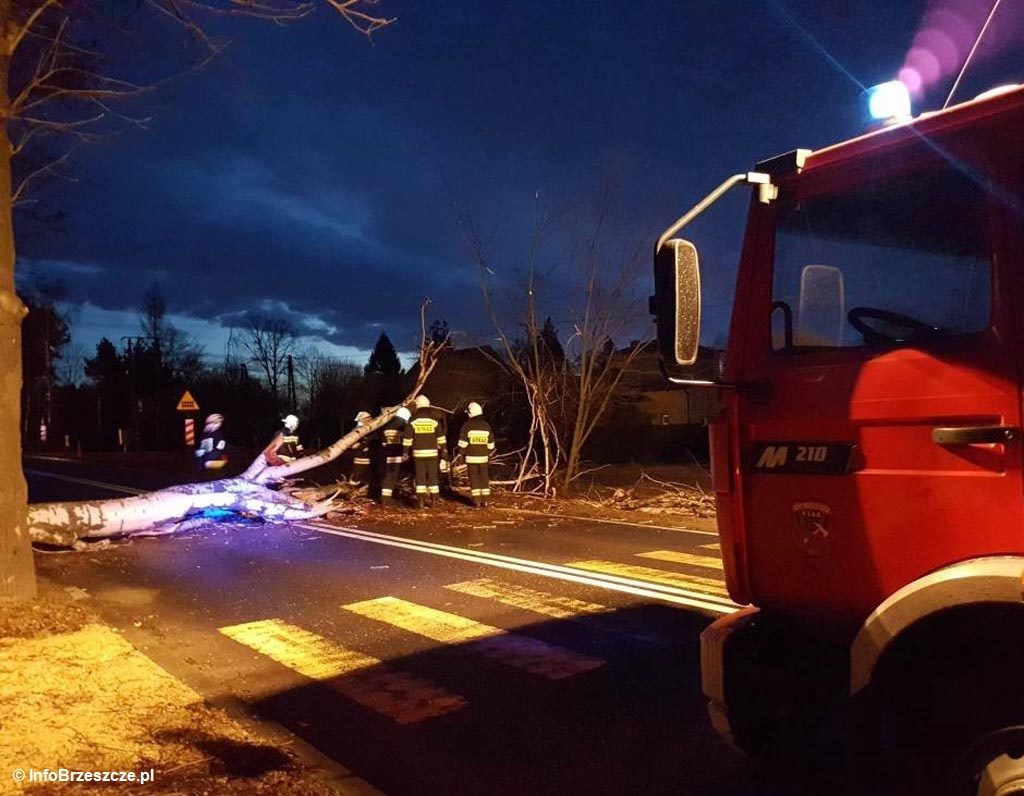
(17, 570)
(260, 472)
(66, 524)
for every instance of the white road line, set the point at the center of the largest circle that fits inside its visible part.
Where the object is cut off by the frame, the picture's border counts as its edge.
(664, 593)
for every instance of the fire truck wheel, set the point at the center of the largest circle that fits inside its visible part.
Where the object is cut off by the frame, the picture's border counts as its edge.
(954, 709)
(993, 765)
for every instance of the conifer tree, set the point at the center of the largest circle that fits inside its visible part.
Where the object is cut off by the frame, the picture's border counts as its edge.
(383, 359)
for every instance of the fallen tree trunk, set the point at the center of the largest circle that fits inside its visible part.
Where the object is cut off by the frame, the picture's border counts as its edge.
(64, 524)
(261, 472)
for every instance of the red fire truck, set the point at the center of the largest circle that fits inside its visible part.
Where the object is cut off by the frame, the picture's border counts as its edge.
(867, 455)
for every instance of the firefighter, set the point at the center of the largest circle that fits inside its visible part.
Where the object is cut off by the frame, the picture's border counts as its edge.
(363, 449)
(210, 452)
(424, 438)
(476, 444)
(290, 448)
(393, 453)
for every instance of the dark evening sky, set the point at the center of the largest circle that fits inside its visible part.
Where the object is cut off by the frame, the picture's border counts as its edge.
(312, 174)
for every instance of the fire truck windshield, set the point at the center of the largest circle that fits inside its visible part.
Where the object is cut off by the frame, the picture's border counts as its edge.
(891, 261)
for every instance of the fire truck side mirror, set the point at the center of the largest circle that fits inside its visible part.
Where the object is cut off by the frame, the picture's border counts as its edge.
(676, 303)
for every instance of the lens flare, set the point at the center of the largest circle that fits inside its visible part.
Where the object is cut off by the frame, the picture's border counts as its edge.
(925, 63)
(912, 79)
(946, 35)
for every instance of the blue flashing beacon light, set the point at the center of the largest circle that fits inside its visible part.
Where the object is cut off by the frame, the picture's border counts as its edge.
(889, 102)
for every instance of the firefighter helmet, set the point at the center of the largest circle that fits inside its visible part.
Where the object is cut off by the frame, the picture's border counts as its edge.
(404, 413)
(291, 422)
(361, 416)
(422, 402)
(474, 409)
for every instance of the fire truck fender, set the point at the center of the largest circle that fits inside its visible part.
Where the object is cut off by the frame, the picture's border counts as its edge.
(995, 579)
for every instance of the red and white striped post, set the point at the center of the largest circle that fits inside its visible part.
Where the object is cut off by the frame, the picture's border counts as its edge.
(190, 432)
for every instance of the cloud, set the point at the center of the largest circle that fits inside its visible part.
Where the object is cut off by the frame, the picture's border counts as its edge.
(91, 323)
(313, 173)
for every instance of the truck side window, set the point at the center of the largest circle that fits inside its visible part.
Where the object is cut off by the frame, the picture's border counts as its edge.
(894, 261)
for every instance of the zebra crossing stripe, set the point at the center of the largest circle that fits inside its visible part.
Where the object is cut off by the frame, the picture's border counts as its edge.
(716, 546)
(539, 602)
(695, 582)
(690, 559)
(361, 678)
(522, 652)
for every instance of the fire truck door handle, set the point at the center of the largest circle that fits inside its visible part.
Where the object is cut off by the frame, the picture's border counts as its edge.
(974, 435)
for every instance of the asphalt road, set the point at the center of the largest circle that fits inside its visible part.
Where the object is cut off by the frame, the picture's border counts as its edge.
(436, 654)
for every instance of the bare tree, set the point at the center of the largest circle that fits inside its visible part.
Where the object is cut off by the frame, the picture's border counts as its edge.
(49, 88)
(568, 395)
(602, 314)
(174, 348)
(525, 361)
(269, 342)
(72, 364)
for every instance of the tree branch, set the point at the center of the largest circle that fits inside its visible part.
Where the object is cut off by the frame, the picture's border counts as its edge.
(49, 168)
(23, 30)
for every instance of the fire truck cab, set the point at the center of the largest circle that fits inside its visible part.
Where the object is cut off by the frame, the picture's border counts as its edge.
(867, 455)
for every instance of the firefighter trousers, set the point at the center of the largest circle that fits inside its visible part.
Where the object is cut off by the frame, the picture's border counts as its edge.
(361, 471)
(391, 473)
(479, 479)
(427, 472)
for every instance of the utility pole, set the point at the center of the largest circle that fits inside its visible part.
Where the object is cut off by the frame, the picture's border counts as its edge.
(133, 408)
(132, 387)
(291, 385)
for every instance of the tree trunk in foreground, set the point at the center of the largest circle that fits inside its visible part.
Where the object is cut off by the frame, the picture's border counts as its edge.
(17, 572)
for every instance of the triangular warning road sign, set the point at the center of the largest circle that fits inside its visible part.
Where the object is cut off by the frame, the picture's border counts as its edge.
(188, 403)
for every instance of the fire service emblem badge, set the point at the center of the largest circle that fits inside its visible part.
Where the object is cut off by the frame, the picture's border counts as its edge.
(812, 525)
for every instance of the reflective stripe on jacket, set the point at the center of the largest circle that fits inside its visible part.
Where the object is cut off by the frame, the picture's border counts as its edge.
(362, 449)
(391, 440)
(424, 434)
(290, 448)
(476, 441)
